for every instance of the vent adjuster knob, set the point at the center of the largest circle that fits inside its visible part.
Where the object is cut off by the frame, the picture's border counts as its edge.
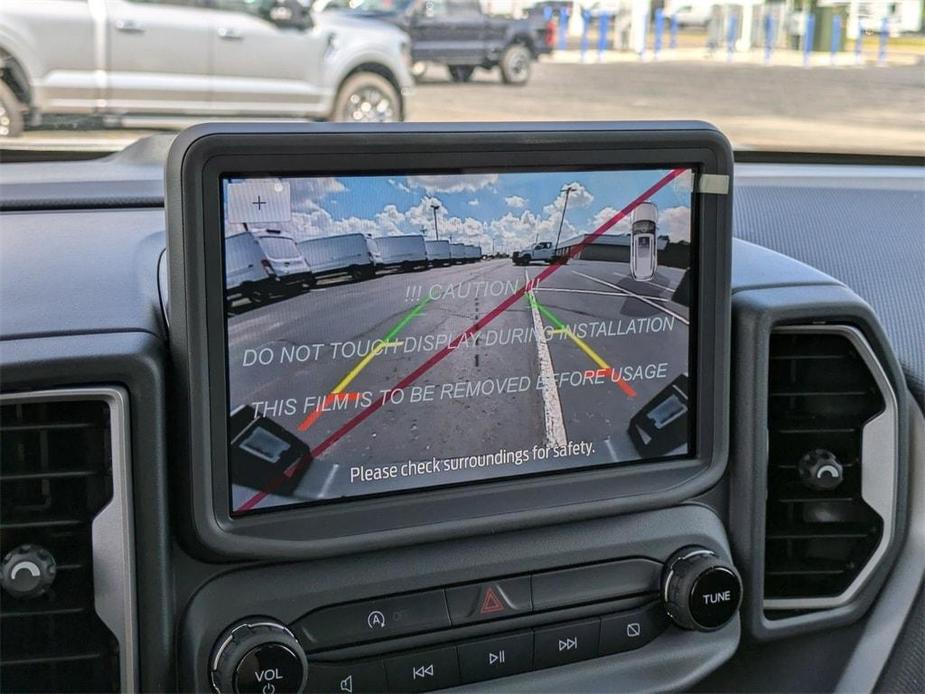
(27, 571)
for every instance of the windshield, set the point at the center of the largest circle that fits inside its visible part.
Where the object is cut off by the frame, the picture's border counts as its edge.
(826, 76)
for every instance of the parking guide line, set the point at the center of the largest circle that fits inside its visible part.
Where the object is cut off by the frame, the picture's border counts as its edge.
(592, 291)
(634, 295)
(552, 407)
(437, 357)
(604, 369)
(387, 341)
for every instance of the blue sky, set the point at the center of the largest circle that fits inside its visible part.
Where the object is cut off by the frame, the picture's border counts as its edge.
(510, 209)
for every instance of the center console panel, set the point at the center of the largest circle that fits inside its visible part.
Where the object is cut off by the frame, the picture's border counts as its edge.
(468, 611)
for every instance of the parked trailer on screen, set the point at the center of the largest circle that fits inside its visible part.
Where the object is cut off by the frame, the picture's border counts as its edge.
(338, 255)
(458, 252)
(248, 273)
(473, 254)
(438, 253)
(404, 252)
(286, 261)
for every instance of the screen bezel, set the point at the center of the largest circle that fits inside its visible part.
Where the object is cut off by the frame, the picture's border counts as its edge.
(205, 155)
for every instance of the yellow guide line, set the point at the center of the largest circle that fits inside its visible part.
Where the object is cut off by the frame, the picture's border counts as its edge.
(362, 364)
(584, 347)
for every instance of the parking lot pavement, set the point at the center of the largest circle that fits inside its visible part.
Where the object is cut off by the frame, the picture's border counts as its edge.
(783, 108)
(866, 109)
(612, 345)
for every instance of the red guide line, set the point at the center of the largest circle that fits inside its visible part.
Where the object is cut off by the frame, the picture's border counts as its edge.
(437, 357)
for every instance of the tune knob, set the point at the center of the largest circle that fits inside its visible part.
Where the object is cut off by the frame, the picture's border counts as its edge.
(701, 591)
(258, 656)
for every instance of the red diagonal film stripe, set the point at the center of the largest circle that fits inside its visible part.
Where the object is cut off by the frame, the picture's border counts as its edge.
(437, 357)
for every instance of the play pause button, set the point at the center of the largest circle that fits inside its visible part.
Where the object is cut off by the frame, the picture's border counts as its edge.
(566, 643)
(495, 657)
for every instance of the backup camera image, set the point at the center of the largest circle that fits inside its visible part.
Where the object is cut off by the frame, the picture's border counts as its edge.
(396, 332)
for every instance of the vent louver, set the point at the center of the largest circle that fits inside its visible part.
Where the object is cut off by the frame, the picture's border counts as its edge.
(820, 536)
(55, 477)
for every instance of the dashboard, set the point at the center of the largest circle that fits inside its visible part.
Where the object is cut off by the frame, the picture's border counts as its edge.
(314, 454)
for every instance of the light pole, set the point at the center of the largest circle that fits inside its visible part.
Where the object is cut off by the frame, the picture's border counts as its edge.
(567, 190)
(434, 205)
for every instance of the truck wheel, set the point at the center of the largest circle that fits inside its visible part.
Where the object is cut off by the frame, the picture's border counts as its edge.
(367, 98)
(461, 73)
(515, 64)
(11, 123)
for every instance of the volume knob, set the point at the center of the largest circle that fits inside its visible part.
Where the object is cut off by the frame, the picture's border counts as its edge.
(701, 591)
(258, 656)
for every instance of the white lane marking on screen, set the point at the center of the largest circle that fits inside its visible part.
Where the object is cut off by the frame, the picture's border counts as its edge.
(552, 408)
(592, 291)
(634, 295)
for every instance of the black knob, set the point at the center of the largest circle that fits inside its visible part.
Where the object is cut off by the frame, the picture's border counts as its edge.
(28, 571)
(701, 591)
(258, 656)
(820, 470)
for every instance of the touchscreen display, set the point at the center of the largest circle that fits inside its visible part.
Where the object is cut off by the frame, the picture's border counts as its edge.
(395, 332)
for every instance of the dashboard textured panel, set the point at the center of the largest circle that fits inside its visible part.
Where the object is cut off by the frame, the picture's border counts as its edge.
(870, 238)
(905, 671)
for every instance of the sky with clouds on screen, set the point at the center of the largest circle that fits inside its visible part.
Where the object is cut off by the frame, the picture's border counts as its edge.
(511, 209)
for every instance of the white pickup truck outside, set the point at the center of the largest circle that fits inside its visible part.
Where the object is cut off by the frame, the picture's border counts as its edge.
(197, 58)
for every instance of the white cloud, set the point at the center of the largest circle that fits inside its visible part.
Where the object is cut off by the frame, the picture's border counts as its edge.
(578, 197)
(684, 184)
(675, 223)
(515, 201)
(605, 215)
(398, 184)
(473, 203)
(305, 192)
(452, 183)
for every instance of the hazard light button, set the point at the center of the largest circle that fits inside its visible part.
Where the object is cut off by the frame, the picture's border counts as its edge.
(480, 602)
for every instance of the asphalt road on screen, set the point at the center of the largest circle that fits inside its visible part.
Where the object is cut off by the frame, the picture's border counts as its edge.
(596, 319)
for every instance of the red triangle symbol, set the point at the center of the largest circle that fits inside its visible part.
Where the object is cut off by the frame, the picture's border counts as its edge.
(491, 602)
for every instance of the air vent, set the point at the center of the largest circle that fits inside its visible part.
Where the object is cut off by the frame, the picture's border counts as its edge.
(831, 467)
(55, 477)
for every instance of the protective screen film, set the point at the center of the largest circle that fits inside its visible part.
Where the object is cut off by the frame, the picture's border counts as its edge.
(394, 332)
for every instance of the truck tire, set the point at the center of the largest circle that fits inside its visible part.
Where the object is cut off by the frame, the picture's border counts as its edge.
(366, 97)
(11, 122)
(461, 73)
(515, 64)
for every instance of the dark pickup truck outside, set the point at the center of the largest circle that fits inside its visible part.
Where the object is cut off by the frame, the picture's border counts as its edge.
(456, 33)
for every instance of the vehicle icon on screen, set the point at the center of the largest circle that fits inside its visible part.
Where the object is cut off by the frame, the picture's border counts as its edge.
(643, 249)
